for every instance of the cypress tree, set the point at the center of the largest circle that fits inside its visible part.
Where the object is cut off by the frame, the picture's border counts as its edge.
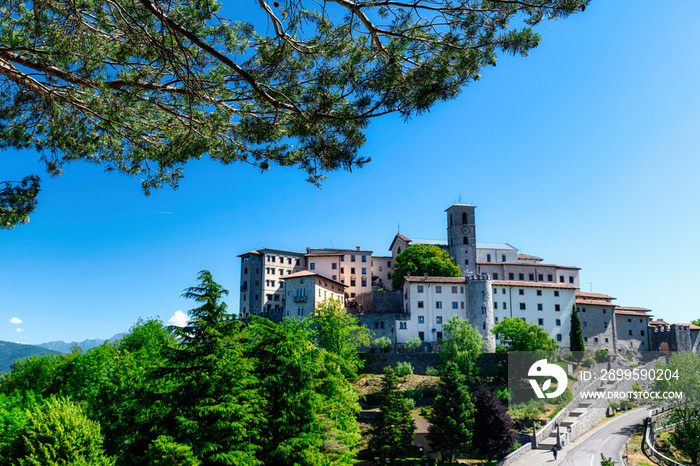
(452, 416)
(576, 334)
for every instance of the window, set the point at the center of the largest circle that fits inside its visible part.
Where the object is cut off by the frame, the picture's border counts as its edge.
(540, 321)
(540, 277)
(402, 325)
(503, 291)
(420, 305)
(606, 340)
(495, 319)
(352, 258)
(364, 271)
(277, 297)
(539, 292)
(642, 332)
(464, 217)
(556, 293)
(585, 339)
(268, 297)
(462, 304)
(571, 279)
(585, 324)
(438, 304)
(364, 258)
(558, 321)
(342, 270)
(558, 337)
(539, 307)
(511, 276)
(504, 305)
(495, 305)
(334, 266)
(388, 264)
(595, 340)
(561, 279)
(557, 307)
(454, 305)
(438, 289)
(503, 258)
(521, 276)
(289, 260)
(364, 281)
(550, 278)
(342, 258)
(488, 256)
(482, 295)
(352, 281)
(605, 324)
(454, 290)
(522, 306)
(352, 270)
(483, 309)
(483, 325)
(629, 320)
(521, 292)
(421, 335)
(495, 276)
(531, 277)
(465, 240)
(438, 319)
(421, 319)
(312, 266)
(630, 332)
(420, 288)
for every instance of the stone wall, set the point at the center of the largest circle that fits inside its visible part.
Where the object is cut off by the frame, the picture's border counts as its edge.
(381, 325)
(387, 302)
(677, 337)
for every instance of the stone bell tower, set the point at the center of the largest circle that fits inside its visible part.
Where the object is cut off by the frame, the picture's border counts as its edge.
(461, 237)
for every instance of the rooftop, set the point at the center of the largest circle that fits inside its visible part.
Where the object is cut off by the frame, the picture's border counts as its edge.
(528, 257)
(263, 251)
(524, 284)
(530, 264)
(505, 246)
(593, 302)
(589, 295)
(424, 279)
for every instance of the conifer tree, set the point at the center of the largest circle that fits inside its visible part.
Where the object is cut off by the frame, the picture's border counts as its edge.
(452, 416)
(211, 405)
(493, 433)
(576, 334)
(392, 432)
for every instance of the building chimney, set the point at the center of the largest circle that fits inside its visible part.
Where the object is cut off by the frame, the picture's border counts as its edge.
(358, 248)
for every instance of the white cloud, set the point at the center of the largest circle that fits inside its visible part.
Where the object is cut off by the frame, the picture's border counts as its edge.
(16, 320)
(179, 319)
(19, 330)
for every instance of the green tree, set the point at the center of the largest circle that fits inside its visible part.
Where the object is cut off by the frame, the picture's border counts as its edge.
(393, 428)
(684, 370)
(696, 322)
(211, 402)
(17, 200)
(463, 344)
(413, 344)
(310, 407)
(420, 259)
(452, 417)
(57, 433)
(493, 433)
(188, 83)
(576, 334)
(517, 335)
(341, 334)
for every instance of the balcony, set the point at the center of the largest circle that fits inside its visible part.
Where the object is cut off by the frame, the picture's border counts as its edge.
(300, 299)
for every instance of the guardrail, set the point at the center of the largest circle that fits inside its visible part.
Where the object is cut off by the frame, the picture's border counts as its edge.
(650, 444)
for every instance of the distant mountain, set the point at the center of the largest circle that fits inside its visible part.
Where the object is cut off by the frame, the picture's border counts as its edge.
(65, 348)
(10, 352)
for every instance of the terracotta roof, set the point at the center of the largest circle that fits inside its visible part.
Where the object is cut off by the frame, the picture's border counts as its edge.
(585, 294)
(523, 284)
(635, 309)
(594, 302)
(423, 279)
(530, 264)
(525, 256)
(324, 254)
(401, 237)
(659, 322)
(308, 273)
(262, 251)
(692, 326)
(256, 252)
(632, 313)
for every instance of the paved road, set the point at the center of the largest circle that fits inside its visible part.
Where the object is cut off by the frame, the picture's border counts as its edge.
(606, 438)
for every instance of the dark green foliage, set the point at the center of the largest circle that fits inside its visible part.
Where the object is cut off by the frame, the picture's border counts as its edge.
(493, 434)
(17, 201)
(452, 416)
(13, 419)
(420, 259)
(576, 335)
(517, 335)
(393, 428)
(210, 403)
(58, 433)
(601, 355)
(187, 83)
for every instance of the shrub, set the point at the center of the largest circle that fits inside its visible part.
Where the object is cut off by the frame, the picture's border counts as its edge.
(431, 371)
(404, 369)
(564, 398)
(601, 355)
(415, 395)
(382, 343)
(410, 403)
(588, 362)
(504, 395)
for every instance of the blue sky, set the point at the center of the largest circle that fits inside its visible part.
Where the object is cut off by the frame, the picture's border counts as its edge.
(584, 153)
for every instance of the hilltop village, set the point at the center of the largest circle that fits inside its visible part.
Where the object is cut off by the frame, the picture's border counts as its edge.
(497, 282)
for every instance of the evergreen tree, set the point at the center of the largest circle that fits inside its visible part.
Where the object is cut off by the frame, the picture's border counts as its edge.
(211, 403)
(452, 416)
(393, 428)
(310, 407)
(576, 334)
(493, 433)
